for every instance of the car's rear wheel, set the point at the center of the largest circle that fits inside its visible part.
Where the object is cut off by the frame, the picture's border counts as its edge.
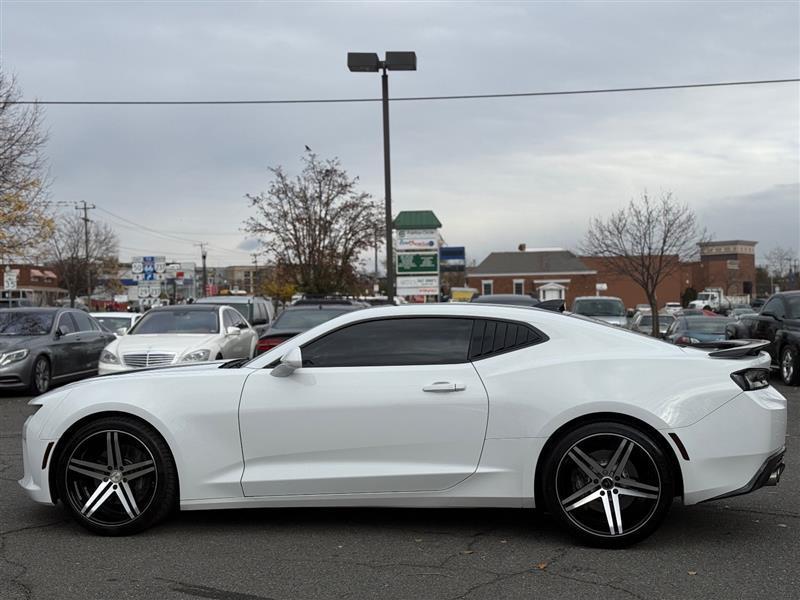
(40, 376)
(609, 483)
(116, 476)
(790, 369)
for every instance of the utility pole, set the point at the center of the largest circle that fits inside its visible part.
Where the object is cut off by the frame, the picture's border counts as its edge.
(204, 253)
(85, 218)
(253, 286)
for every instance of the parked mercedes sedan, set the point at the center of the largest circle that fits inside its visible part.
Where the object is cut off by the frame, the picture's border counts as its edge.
(40, 347)
(189, 333)
(420, 405)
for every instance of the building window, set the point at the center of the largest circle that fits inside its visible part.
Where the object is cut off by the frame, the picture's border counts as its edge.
(487, 285)
(519, 287)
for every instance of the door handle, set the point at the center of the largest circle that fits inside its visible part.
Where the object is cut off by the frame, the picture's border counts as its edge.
(444, 386)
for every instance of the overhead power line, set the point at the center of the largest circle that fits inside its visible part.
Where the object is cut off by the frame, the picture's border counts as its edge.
(650, 88)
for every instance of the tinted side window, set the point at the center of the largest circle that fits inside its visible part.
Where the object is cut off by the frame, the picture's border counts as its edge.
(495, 337)
(259, 313)
(413, 341)
(227, 319)
(83, 321)
(65, 321)
(775, 306)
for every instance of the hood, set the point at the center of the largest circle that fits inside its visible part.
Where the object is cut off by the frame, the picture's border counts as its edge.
(176, 344)
(16, 342)
(619, 321)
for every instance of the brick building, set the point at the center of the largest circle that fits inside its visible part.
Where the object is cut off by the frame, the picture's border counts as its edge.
(546, 273)
(557, 273)
(36, 283)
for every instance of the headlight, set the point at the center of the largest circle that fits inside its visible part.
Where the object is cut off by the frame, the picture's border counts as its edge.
(751, 379)
(109, 358)
(10, 357)
(197, 356)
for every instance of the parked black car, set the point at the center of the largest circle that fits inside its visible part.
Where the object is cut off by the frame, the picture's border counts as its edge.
(779, 323)
(299, 318)
(40, 347)
(691, 330)
(509, 299)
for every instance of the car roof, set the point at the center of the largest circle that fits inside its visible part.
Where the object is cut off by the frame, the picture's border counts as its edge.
(323, 305)
(113, 314)
(506, 296)
(189, 307)
(599, 298)
(41, 309)
(228, 299)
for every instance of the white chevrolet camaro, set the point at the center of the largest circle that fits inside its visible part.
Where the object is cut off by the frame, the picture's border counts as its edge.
(420, 405)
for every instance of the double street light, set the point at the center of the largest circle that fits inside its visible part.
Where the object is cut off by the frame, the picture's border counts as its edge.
(368, 62)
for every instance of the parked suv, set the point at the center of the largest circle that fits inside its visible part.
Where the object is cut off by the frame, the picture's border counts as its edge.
(258, 310)
(603, 308)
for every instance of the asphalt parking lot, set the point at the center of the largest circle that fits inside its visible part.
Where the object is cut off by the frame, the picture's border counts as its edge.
(745, 547)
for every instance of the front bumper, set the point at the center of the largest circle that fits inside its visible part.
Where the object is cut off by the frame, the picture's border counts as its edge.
(108, 368)
(17, 375)
(35, 478)
(735, 449)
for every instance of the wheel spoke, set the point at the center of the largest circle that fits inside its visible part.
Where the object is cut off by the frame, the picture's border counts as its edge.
(612, 464)
(635, 493)
(106, 485)
(630, 483)
(617, 511)
(607, 508)
(109, 450)
(585, 500)
(580, 493)
(109, 491)
(587, 464)
(124, 501)
(144, 467)
(117, 452)
(98, 471)
(131, 499)
(620, 467)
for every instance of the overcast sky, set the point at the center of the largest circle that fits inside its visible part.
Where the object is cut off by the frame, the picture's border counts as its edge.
(496, 172)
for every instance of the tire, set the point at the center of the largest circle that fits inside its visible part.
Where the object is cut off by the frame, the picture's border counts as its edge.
(790, 366)
(134, 490)
(41, 376)
(628, 494)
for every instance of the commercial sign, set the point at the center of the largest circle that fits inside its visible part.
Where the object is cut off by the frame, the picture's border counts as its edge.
(417, 239)
(417, 262)
(148, 268)
(452, 258)
(418, 285)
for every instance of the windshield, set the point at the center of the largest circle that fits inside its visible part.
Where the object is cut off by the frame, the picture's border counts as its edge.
(663, 320)
(306, 319)
(177, 321)
(599, 307)
(115, 324)
(707, 325)
(25, 323)
(705, 296)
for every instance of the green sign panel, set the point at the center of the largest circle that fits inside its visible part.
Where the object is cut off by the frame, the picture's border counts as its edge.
(417, 262)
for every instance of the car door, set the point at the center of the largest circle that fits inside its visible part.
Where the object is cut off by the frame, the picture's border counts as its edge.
(65, 347)
(770, 320)
(385, 405)
(247, 336)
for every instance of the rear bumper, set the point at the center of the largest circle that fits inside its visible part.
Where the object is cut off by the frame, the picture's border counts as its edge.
(735, 449)
(768, 475)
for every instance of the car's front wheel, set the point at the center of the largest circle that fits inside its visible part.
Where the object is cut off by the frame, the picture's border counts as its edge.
(116, 476)
(790, 369)
(40, 376)
(609, 483)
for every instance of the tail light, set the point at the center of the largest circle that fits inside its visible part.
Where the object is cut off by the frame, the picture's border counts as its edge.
(686, 340)
(268, 343)
(751, 379)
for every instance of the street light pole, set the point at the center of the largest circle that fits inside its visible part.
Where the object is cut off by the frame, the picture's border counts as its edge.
(387, 184)
(368, 62)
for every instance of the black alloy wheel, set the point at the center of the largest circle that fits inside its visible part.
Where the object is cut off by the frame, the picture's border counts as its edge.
(608, 483)
(117, 476)
(790, 369)
(40, 376)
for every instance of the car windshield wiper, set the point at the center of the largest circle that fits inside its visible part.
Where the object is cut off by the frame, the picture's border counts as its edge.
(234, 364)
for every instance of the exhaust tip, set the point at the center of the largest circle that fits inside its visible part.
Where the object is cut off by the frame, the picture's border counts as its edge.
(775, 476)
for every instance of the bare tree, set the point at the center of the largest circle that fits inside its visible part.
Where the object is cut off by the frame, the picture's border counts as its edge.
(66, 254)
(24, 222)
(315, 226)
(646, 241)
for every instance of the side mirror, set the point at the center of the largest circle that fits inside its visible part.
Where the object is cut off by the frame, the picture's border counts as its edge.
(233, 331)
(61, 331)
(290, 362)
(769, 313)
(630, 313)
(122, 330)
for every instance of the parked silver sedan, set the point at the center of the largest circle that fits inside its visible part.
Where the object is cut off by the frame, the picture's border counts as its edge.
(43, 346)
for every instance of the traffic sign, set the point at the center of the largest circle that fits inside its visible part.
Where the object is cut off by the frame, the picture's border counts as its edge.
(10, 280)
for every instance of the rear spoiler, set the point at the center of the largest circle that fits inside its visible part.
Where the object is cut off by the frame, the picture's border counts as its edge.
(733, 348)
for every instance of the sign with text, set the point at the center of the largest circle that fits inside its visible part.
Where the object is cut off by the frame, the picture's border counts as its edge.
(417, 239)
(10, 280)
(417, 262)
(428, 281)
